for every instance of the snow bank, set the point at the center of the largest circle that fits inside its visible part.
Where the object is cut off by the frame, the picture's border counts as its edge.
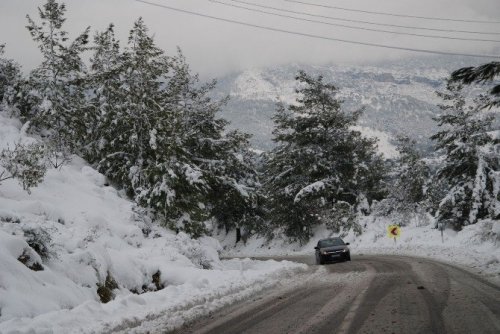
(194, 290)
(476, 247)
(75, 240)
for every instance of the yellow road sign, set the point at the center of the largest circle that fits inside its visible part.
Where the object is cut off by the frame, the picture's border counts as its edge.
(393, 231)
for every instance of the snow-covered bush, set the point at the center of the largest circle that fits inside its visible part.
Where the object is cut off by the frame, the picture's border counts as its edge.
(390, 210)
(105, 289)
(203, 254)
(26, 163)
(9, 217)
(57, 157)
(39, 240)
(490, 230)
(343, 218)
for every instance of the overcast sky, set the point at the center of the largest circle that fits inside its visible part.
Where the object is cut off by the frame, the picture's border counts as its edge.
(215, 48)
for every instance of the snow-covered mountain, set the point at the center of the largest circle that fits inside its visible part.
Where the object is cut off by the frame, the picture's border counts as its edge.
(398, 98)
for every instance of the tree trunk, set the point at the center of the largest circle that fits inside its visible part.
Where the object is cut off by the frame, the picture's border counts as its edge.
(238, 234)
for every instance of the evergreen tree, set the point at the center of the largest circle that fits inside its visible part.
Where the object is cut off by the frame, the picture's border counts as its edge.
(163, 176)
(214, 179)
(54, 96)
(223, 158)
(235, 197)
(104, 83)
(128, 101)
(158, 136)
(136, 115)
(10, 79)
(412, 174)
(409, 182)
(143, 120)
(472, 164)
(481, 74)
(320, 160)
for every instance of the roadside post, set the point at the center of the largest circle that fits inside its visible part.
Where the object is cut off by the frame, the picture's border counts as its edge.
(393, 231)
(441, 228)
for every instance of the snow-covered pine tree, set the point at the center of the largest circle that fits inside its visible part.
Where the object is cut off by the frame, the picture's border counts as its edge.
(139, 102)
(409, 182)
(471, 160)
(165, 177)
(480, 75)
(133, 110)
(215, 179)
(129, 98)
(54, 96)
(104, 83)
(223, 157)
(10, 78)
(320, 160)
(411, 174)
(235, 195)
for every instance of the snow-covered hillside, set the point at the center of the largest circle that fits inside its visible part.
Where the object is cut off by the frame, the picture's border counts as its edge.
(397, 97)
(76, 240)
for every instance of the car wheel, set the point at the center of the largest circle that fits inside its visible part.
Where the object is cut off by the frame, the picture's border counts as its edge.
(348, 257)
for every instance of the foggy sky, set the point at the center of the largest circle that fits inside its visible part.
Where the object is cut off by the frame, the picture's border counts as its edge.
(215, 48)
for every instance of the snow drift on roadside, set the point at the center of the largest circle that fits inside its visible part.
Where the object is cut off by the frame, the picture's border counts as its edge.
(476, 247)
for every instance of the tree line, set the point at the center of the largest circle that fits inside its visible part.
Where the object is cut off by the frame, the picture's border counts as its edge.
(143, 119)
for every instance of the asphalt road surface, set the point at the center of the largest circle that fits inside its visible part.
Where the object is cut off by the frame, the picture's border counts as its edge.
(370, 294)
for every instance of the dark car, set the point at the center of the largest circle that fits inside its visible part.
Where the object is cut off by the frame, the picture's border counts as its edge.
(332, 249)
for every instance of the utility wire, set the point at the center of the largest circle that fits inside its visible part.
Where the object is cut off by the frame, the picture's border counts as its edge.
(314, 36)
(392, 14)
(353, 27)
(365, 22)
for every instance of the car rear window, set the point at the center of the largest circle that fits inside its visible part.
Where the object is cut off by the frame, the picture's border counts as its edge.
(330, 243)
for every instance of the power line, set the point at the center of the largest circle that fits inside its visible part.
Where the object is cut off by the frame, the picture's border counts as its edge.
(392, 14)
(366, 22)
(354, 27)
(315, 36)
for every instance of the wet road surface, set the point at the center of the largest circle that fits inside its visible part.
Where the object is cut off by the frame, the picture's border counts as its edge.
(370, 294)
